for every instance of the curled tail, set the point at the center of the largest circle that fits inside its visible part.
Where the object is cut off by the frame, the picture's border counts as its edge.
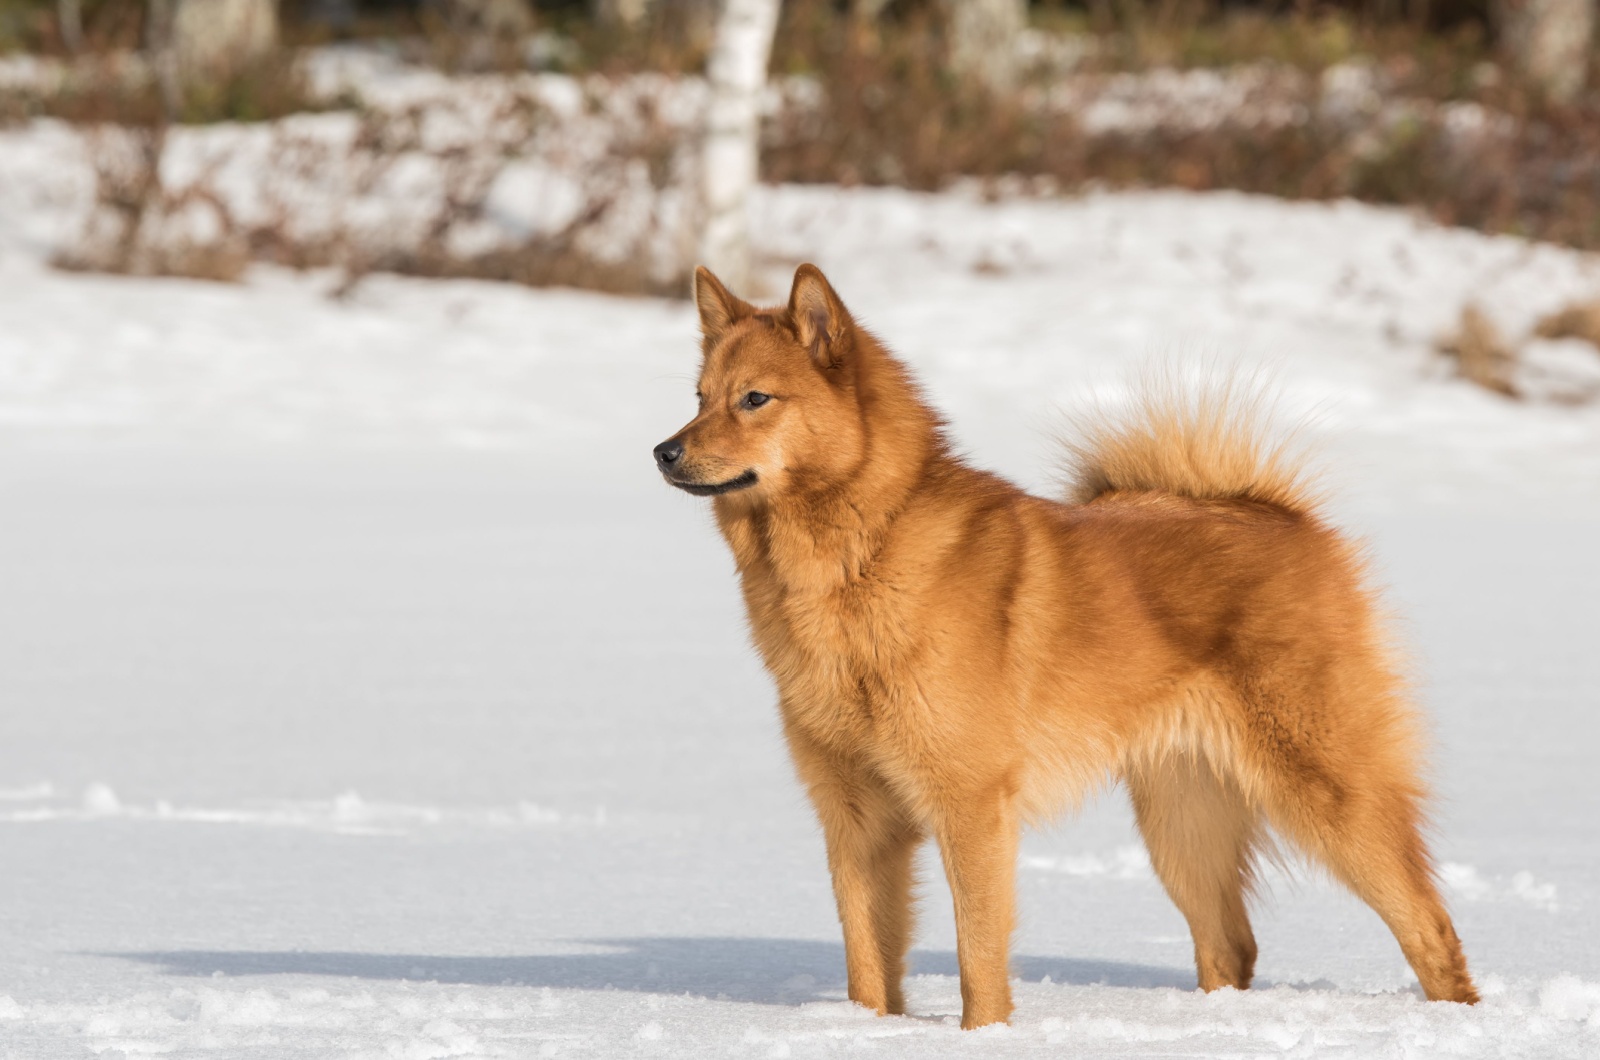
(1211, 441)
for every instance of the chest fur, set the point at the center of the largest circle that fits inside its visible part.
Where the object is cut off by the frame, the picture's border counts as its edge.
(835, 633)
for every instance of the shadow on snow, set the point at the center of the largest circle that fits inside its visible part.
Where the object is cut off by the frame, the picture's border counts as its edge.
(770, 971)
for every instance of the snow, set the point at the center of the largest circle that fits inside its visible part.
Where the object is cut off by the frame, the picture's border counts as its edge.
(427, 1020)
(368, 695)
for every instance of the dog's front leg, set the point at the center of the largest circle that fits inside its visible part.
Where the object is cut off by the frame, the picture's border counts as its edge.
(978, 841)
(871, 843)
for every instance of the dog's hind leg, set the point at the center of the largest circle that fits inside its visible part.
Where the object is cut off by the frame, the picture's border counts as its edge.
(1344, 789)
(1372, 842)
(1201, 836)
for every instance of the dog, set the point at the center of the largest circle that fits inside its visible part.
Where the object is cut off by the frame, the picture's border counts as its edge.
(955, 657)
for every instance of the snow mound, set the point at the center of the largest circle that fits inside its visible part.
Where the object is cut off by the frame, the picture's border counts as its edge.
(346, 814)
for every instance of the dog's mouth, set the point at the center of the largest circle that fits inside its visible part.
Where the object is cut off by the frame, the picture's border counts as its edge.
(702, 489)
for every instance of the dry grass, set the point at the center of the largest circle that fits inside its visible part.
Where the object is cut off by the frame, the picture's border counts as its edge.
(380, 191)
(1440, 59)
(1436, 127)
(122, 89)
(112, 81)
(1580, 320)
(140, 227)
(1430, 124)
(1481, 353)
(30, 25)
(1537, 367)
(1451, 135)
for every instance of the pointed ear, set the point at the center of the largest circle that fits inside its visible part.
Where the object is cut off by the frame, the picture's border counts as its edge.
(719, 309)
(820, 319)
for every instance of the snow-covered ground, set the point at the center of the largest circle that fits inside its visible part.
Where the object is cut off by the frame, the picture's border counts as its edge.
(366, 694)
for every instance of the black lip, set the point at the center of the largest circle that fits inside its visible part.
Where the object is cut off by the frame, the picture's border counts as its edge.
(743, 482)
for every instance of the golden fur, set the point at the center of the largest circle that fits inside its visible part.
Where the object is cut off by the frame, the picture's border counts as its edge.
(954, 656)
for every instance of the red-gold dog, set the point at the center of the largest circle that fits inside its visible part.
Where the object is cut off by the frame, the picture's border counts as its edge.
(954, 656)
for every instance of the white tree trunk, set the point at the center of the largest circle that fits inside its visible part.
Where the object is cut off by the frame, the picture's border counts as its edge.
(737, 70)
(1548, 42)
(983, 39)
(212, 38)
(69, 16)
(621, 13)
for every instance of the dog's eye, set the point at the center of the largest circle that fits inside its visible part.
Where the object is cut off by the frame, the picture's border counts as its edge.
(755, 399)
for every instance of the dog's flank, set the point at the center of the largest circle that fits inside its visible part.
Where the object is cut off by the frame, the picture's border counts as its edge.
(954, 656)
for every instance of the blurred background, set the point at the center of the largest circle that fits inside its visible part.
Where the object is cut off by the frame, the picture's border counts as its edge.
(363, 691)
(1476, 112)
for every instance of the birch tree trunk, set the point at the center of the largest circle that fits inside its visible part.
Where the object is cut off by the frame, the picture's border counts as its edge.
(737, 70)
(983, 39)
(212, 38)
(69, 16)
(1548, 42)
(163, 56)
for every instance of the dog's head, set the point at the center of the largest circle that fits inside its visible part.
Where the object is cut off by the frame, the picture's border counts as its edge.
(778, 409)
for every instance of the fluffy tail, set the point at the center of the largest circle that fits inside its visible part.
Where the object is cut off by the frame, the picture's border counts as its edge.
(1213, 441)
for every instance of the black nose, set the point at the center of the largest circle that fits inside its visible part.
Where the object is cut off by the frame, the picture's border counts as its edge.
(668, 452)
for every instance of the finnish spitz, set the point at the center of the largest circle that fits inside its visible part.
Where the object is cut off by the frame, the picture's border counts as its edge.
(955, 656)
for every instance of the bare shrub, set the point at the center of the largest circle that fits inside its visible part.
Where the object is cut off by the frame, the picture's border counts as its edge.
(521, 180)
(1554, 365)
(123, 88)
(1302, 107)
(1481, 354)
(1580, 320)
(138, 226)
